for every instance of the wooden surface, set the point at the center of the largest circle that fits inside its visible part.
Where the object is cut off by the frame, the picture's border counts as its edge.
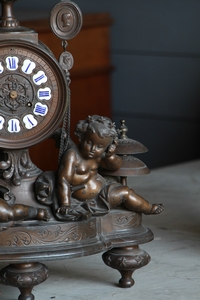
(90, 75)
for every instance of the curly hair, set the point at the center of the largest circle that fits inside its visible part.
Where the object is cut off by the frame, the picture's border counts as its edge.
(100, 125)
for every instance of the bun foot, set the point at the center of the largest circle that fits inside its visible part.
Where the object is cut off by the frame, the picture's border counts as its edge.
(126, 260)
(126, 281)
(24, 276)
(26, 294)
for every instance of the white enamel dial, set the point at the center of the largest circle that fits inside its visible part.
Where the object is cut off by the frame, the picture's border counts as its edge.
(33, 93)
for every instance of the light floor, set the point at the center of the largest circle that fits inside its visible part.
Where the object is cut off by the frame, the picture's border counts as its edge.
(174, 270)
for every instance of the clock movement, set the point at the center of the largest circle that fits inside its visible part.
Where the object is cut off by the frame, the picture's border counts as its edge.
(83, 208)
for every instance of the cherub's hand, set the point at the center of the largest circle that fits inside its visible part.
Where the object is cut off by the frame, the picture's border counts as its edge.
(63, 210)
(111, 149)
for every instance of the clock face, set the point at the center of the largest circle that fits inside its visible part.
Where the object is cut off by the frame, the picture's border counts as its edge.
(33, 94)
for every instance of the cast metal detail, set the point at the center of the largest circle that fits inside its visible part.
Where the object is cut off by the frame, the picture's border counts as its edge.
(15, 93)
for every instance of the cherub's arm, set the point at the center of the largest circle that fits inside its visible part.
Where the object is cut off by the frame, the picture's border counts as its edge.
(110, 160)
(65, 175)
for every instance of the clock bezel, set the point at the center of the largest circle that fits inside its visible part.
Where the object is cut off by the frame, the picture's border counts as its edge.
(33, 136)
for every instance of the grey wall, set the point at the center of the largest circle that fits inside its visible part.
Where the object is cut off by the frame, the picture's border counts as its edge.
(156, 54)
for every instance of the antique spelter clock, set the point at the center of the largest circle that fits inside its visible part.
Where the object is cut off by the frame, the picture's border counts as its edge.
(34, 101)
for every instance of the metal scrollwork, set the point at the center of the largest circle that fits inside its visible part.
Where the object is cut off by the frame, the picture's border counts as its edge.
(126, 220)
(45, 236)
(14, 93)
(18, 165)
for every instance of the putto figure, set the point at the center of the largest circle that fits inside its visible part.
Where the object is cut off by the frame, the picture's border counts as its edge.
(78, 172)
(11, 212)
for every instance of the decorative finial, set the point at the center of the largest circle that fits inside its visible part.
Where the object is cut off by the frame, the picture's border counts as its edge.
(123, 130)
(8, 19)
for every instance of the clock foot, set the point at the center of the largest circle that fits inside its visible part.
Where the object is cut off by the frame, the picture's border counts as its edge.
(126, 260)
(24, 276)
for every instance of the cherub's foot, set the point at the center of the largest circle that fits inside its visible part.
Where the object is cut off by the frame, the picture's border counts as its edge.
(42, 214)
(73, 213)
(63, 210)
(156, 209)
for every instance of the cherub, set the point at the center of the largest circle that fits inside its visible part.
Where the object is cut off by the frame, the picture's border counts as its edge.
(20, 212)
(10, 212)
(79, 168)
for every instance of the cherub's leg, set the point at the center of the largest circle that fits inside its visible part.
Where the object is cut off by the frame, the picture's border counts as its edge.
(132, 201)
(137, 203)
(19, 212)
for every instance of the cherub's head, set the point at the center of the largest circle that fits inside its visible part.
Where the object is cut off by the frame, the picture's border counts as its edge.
(102, 126)
(95, 134)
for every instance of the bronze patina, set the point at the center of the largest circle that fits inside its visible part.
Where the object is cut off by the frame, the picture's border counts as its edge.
(86, 206)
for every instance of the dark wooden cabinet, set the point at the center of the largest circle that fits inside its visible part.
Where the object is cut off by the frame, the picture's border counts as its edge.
(90, 75)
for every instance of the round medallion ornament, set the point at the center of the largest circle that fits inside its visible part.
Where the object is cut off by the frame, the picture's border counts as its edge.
(66, 60)
(66, 20)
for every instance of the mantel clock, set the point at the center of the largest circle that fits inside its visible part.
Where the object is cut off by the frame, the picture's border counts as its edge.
(76, 210)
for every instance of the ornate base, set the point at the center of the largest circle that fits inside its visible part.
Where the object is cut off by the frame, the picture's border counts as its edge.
(119, 233)
(126, 260)
(24, 276)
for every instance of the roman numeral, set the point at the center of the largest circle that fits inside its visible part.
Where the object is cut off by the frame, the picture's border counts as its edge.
(29, 121)
(40, 109)
(13, 125)
(12, 62)
(28, 66)
(44, 94)
(1, 68)
(39, 78)
(2, 120)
